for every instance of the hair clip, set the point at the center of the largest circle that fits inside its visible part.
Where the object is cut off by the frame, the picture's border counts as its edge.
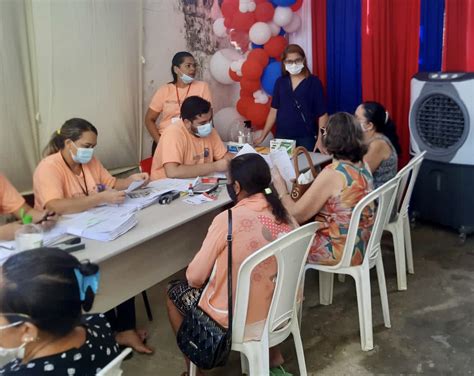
(85, 282)
(268, 191)
(58, 131)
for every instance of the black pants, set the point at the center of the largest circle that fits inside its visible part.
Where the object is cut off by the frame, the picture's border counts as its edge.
(122, 317)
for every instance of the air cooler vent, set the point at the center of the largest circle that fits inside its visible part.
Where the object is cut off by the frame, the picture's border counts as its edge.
(440, 122)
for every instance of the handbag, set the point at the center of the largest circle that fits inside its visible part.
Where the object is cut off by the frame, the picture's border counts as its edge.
(299, 189)
(203, 340)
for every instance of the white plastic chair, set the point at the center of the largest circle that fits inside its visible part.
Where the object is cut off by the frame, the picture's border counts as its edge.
(291, 252)
(385, 195)
(114, 367)
(399, 225)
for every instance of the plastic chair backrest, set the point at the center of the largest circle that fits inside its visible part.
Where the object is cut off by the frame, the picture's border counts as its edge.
(114, 367)
(145, 165)
(407, 183)
(291, 252)
(385, 197)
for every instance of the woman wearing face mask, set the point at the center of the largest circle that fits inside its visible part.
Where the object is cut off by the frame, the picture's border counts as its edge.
(381, 137)
(70, 180)
(258, 218)
(298, 104)
(169, 97)
(42, 329)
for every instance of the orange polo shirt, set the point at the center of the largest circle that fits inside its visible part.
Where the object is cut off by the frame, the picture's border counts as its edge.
(178, 145)
(168, 99)
(53, 179)
(10, 199)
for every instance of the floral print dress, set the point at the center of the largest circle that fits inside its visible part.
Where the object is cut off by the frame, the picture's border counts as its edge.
(330, 239)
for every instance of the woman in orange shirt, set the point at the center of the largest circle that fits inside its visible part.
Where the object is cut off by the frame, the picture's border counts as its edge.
(169, 97)
(71, 180)
(258, 218)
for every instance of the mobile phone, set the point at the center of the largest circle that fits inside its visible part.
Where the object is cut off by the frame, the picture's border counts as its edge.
(205, 187)
(69, 248)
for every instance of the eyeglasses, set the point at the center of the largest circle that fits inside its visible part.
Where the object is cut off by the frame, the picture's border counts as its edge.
(20, 319)
(296, 61)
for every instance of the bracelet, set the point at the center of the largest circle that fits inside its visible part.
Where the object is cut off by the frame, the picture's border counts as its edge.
(283, 195)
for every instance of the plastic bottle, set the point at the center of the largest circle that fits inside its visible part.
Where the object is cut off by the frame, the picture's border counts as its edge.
(241, 135)
(190, 190)
(29, 236)
(248, 132)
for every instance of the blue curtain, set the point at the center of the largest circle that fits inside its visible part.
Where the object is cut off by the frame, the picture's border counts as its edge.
(431, 35)
(343, 45)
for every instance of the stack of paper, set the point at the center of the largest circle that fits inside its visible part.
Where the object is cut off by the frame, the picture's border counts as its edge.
(167, 185)
(104, 223)
(141, 198)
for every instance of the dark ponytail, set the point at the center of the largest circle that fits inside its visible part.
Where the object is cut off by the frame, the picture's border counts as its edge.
(72, 129)
(177, 60)
(253, 175)
(42, 284)
(376, 114)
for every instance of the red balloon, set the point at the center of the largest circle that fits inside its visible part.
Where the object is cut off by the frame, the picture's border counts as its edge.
(260, 55)
(245, 94)
(257, 113)
(234, 75)
(229, 7)
(275, 46)
(260, 1)
(243, 104)
(228, 22)
(240, 39)
(243, 21)
(264, 12)
(296, 5)
(252, 69)
(249, 86)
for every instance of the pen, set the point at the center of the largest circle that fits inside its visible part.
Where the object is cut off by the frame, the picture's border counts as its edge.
(45, 217)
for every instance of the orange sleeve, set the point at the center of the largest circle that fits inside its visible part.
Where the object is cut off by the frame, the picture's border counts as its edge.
(103, 175)
(159, 98)
(48, 184)
(172, 146)
(215, 242)
(10, 199)
(218, 148)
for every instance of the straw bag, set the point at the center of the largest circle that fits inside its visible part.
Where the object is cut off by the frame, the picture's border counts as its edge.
(299, 189)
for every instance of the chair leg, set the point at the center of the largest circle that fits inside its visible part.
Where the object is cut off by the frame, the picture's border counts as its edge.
(300, 308)
(299, 347)
(244, 364)
(192, 369)
(400, 262)
(326, 287)
(364, 304)
(408, 244)
(147, 306)
(383, 291)
(258, 357)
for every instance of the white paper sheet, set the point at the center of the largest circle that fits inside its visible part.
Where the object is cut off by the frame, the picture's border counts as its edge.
(134, 185)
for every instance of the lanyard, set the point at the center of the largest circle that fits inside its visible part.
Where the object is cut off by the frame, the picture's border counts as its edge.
(177, 94)
(86, 190)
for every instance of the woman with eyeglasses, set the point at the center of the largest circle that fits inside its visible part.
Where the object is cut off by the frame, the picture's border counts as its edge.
(42, 329)
(71, 180)
(169, 97)
(298, 104)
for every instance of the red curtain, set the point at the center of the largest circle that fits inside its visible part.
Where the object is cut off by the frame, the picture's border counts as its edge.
(458, 53)
(390, 43)
(318, 9)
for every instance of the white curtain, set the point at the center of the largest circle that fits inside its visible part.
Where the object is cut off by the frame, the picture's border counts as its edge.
(88, 63)
(69, 58)
(303, 36)
(19, 150)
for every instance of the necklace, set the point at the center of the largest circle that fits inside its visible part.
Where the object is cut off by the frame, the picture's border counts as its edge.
(86, 190)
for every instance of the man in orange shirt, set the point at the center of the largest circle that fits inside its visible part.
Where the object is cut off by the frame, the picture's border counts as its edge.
(11, 202)
(190, 147)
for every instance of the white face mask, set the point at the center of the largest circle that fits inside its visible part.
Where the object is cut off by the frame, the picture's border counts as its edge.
(14, 352)
(294, 68)
(204, 130)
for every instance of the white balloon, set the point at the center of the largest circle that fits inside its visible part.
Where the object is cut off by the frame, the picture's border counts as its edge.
(266, 140)
(219, 28)
(225, 120)
(294, 25)
(260, 97)
(282, 16)
(220, 64)
(260, 33)
(274, 28)
(247, 6)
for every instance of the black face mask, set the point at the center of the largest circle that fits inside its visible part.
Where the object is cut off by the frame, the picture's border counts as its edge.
(231, 192)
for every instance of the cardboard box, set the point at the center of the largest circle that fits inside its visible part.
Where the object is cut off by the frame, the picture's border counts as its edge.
(284, 144)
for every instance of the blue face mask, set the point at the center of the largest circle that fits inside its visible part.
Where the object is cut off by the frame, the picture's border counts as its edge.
(186, 79)
(83, 155)
(204, 130)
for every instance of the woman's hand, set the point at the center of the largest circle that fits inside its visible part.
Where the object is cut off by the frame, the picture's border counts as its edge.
(141, 176)
(112, 197)
(259, 139)
(46, 219)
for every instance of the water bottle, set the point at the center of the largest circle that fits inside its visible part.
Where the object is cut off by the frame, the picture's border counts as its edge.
(29, 236)
(248, 132)
(241, 136)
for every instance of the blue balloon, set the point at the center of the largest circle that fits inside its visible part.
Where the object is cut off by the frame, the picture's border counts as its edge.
(271, 60)
(254, 46)
(283, 3)
(270, 74)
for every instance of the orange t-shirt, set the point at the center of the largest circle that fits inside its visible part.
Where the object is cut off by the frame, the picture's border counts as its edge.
(10, 199)
(253, 226)
(178, 145)
(53, 179)
(167, 102)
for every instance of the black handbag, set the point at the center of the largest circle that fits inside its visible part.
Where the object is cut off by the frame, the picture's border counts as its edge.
(203, 340)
